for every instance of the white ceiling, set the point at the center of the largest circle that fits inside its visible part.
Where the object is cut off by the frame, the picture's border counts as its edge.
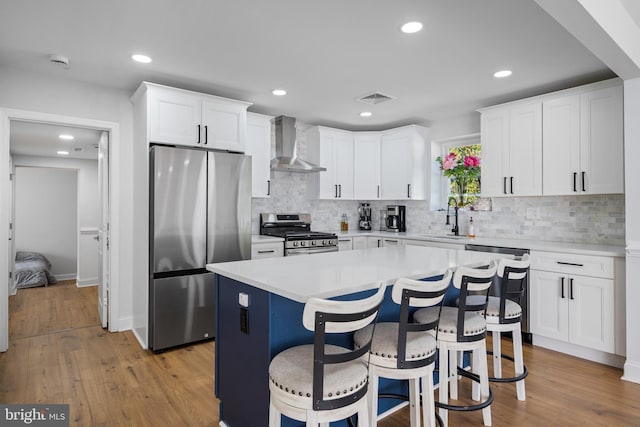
(324, 53)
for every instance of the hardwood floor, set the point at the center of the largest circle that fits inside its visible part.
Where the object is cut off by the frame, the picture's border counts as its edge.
(59, 353)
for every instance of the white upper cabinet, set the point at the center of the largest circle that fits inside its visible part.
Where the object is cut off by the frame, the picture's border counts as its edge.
(180, 117)
(583, 143)
(259, 148)
(561, 143)
(511, 138)
(404, 166)
(332, 149)
(366, 165)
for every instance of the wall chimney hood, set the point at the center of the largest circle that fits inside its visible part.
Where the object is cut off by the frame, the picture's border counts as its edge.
(286, 159)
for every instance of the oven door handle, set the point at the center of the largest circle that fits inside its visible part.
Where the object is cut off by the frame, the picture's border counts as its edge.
(309, 251)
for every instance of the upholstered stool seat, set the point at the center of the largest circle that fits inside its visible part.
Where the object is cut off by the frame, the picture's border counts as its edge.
(460, 329)
(404, 350)
(323, 382)
(504, 315)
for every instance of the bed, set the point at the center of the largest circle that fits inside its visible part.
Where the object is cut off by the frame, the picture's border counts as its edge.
(33, 269)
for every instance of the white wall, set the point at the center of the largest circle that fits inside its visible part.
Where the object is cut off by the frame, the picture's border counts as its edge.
(28, 91)
(47, 216)
(88, 210)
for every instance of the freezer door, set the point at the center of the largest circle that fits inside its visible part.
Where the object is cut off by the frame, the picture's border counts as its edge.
(179, 208)
(183, 310)
(229, 207)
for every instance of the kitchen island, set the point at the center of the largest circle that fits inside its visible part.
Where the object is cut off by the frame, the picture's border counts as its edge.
(260, 304)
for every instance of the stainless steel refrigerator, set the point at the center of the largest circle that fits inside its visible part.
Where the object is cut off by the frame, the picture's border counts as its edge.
(200, 213)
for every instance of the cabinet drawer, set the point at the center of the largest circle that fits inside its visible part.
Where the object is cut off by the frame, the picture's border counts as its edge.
(586, 265)
(267, 250)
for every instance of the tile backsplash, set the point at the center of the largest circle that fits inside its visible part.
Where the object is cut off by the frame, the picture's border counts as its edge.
(597, 219)
(588, 219)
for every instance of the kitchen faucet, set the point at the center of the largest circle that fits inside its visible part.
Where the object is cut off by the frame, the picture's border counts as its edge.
(455, 229)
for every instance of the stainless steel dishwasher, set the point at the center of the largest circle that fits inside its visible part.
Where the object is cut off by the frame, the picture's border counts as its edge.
(495, 291)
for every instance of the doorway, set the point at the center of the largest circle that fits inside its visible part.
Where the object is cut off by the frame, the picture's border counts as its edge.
(107, 302)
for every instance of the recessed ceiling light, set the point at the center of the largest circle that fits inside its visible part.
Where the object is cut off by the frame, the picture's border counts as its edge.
(365, 114)
(63, 153)
(411, 27)
(279, 92)
(66, 136)
(502, 73)
(144, 59)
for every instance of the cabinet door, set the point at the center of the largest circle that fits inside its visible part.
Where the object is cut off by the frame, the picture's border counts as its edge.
(174, 117)
(591, 314)
(549, 305)
(326, 149)
(224, 125)
(366, 166)
(374, 242)
(561, 146)
(395, 166)
(601, 153)
(525, 150)
(391, 242)
(494, 136)
(345, 244)
(267, 250)
(259, 148)
(344, 165)
(359, 242)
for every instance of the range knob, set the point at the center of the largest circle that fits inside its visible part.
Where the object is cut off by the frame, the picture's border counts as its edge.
(295, 243)
(324, 243)
(313, 243)
(303, 243)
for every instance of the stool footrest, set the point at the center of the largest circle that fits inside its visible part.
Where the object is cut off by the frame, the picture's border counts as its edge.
(467, 408)
(517, 378)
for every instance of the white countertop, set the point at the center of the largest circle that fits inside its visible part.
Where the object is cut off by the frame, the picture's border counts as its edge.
(332, 274)
(535, 245)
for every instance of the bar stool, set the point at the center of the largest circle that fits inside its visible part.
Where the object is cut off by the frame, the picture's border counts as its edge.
(404, 350)
(319, 383)
(462, 329)
(504, 314)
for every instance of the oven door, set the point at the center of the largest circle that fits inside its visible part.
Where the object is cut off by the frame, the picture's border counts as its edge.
(309, 251)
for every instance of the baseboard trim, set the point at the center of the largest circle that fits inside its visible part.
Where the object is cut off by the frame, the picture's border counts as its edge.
(126, 324)
(579, 351)
(631, 372)
(71, 276)
(87, 282)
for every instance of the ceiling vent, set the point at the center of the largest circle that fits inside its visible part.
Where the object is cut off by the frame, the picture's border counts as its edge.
(375, 98)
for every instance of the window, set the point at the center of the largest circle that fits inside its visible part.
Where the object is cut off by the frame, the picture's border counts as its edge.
(468, 145)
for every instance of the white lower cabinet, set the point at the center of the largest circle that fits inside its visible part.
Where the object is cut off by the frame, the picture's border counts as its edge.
(374, 242)
(359, 242)
(432, 244)
(389, 241)
(267, 250)
(570, 307)
(345, 244)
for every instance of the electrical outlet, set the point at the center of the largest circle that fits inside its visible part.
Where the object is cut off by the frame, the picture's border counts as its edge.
(244, 320)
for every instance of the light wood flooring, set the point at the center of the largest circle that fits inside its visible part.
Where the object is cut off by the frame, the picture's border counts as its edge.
(59, 353)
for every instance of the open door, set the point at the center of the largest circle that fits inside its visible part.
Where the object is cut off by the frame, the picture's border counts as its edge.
(103, 230)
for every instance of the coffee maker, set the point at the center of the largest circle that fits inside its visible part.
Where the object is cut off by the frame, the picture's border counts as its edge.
(396, 219)
(365, 216)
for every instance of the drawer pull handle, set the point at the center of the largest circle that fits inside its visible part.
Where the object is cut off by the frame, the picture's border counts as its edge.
(270, 251)
(570, 263)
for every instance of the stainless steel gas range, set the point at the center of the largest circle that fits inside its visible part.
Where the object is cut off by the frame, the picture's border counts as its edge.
(295, 229)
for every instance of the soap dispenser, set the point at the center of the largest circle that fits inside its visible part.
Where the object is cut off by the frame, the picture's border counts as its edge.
(471, 231)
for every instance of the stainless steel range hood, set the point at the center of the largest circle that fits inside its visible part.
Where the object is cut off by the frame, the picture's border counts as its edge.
(286, 159)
